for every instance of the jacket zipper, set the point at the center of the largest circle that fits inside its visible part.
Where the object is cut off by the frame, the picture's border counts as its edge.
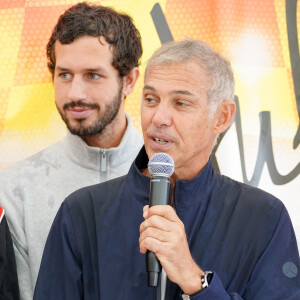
(103, 161)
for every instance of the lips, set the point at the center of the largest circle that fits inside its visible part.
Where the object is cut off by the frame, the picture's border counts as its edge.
(160, 141)
(160, 138)
(79, 109)
(80, 112)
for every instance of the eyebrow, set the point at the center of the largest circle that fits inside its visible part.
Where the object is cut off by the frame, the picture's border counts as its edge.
(92, 70)
(174, 92)
(182, 92)
(148, 87)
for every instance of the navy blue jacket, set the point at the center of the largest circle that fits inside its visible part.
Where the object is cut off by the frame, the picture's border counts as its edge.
(241, 233)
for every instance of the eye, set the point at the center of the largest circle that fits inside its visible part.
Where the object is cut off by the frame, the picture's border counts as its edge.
(65, 75)
(93, 76)
(181, 103)
(150, 100)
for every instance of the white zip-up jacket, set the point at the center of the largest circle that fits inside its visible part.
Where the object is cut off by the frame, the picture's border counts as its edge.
(32, 191)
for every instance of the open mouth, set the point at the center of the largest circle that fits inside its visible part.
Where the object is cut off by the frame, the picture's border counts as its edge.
(160, 141)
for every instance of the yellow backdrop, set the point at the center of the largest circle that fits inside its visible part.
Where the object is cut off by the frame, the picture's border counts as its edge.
(252, 34)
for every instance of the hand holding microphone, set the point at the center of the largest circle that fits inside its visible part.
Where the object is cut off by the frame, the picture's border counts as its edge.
(166, 235)
(161, 167)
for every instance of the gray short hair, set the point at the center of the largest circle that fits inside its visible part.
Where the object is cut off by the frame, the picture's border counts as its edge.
(216, 66)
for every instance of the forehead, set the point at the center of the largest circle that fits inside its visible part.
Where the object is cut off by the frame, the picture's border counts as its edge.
(183, 76)
(86, 50)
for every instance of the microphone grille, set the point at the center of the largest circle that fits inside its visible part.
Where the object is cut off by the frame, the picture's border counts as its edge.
(161, 164)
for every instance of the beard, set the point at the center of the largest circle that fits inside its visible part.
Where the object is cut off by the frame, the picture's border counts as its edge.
(101, 121)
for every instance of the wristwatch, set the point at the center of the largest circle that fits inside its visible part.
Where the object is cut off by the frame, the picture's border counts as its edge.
(205, 281)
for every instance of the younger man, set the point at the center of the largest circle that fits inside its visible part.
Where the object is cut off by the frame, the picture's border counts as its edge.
(93, 56)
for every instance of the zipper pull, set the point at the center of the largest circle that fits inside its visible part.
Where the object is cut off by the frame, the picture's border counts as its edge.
(103, 161)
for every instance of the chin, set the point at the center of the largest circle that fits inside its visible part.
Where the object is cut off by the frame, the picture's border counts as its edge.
(149, 152)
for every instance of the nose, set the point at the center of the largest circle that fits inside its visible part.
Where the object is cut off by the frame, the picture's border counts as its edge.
(77, 89)
(162, 115)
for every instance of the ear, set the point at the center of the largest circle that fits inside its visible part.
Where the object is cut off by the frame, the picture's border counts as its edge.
(224, 116)
(129, 81)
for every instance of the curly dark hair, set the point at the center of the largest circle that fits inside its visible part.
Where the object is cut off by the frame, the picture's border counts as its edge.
(85, 19)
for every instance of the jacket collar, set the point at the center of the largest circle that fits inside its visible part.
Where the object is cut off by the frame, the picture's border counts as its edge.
(187, 192)
(89, 157)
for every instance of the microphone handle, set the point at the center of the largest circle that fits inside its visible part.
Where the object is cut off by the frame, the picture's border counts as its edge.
(159, 195)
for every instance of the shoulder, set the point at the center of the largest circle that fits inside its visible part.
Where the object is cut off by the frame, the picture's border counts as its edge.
(247, 199)
(90, 205)
(253, 214)
(33, 164)
(100, 193)
(247, 192)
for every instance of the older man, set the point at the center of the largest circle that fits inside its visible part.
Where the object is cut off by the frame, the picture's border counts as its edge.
(93, 56)
(218, 238)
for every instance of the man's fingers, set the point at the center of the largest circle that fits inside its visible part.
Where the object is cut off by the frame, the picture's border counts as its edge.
(165, 211)
(158, 222)
(145, 211)
(150, 244)
(154, 233)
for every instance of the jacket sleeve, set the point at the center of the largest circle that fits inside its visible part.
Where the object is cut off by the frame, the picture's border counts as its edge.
(276, 273)
(9, 288)
(60, 275)
(11, 200)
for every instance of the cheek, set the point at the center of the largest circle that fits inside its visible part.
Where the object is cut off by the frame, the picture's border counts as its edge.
(59, 91)
(193, 132)
(145, 117)
(102, 94)
(58, 98)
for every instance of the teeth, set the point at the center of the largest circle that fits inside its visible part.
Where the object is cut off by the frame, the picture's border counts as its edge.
(161, 141)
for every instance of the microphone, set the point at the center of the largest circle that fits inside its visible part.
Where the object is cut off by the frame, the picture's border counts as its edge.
(161, 167)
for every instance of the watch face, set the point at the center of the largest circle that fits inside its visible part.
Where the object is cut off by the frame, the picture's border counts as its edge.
(206, 279)
(209, 276)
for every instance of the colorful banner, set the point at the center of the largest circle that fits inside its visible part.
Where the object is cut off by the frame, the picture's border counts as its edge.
(260, 38)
